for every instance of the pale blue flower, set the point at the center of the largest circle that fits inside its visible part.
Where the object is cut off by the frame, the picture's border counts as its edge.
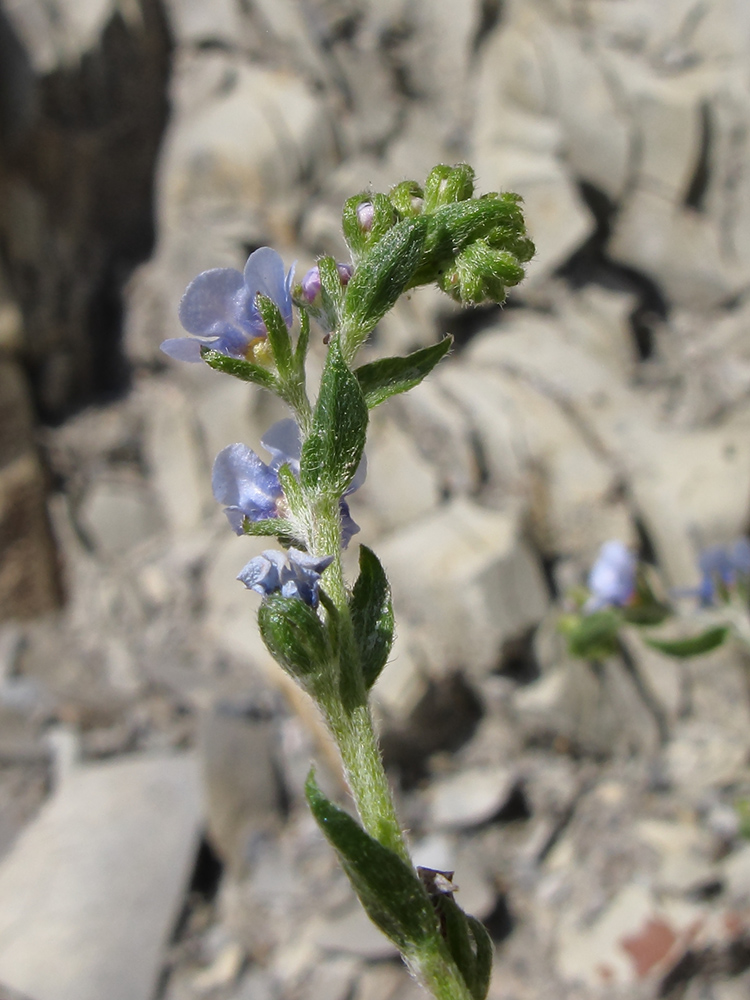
(612, 577)
(220, 310)
(721, 566)
(293, 573)
(250, 488)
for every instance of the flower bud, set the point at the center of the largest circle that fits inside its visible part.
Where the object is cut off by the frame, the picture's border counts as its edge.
(365, 215)
(311, 284)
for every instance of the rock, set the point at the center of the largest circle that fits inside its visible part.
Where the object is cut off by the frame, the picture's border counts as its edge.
(631, 940)
(29, 583)
(256, 984)
(684, 852)
(92, 888)
(401, 486)
(242, 790)
(467, 581)
(662, 677)
(118, 513)
(353, 933)
(470, 797)
(195, 23)
(58, 35)
(443, 435)
(594, 708)
(531, 447)
(333, 979)
(699, 756)
(179, 476)
(557, 219)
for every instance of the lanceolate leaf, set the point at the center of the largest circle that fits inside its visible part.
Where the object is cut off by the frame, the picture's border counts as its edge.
(245, 370)
(469, 944)
(696, 645)
(381, 277)
(592, 636)
(372, 615)
(278, 335)
(277, 526)
(384, 378)
(333, 450)
(390, 891)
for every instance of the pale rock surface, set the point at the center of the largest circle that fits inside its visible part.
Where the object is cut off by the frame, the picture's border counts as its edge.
(179, 475)
(91, 890)
(467, 581)
(401, 486)
(470, 797)
(118, 513)
(595, 708)
(633, 937)
(238, 758)
(58, 34)
(195, 23)
(353, 933)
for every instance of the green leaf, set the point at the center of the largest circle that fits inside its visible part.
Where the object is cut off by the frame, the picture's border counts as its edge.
(293, 492)
(332, 452)
(406, 198)
(445, 185)
(372, 615)
(469, 944)
(360, 240)
(303, 340)
(652, 613)
(278, 335)
(245, 370)
(384, 378)
(593, 636)
(389, 889)
(277, 526)
(383, 274)
(294, 636)
(696, 645)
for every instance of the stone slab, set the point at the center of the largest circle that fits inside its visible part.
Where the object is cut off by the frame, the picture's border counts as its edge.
(91, 891)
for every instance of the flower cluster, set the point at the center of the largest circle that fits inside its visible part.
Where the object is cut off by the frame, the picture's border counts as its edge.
(722, 567)
(294, 574)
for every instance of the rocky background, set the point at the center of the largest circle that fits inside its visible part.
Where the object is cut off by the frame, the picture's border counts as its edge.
(155, 842)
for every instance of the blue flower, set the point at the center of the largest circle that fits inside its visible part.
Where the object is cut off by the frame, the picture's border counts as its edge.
(721, 566)
(294, 574)
(250, 488)
(219, 307)
(612, 577)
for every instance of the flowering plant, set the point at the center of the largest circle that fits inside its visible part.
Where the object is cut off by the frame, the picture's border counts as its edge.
(332, 638)
(620, 592)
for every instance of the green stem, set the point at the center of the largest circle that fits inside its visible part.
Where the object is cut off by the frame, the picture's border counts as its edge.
(365, 775)
(344, 700)
(437, 971)
(342, 697)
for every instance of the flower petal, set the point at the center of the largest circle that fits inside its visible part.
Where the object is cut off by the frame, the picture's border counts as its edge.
(264, 272)
(359, 476)
(243, 482)
(262, 573)
(213, 297)
(283, 442)
(184, 348)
